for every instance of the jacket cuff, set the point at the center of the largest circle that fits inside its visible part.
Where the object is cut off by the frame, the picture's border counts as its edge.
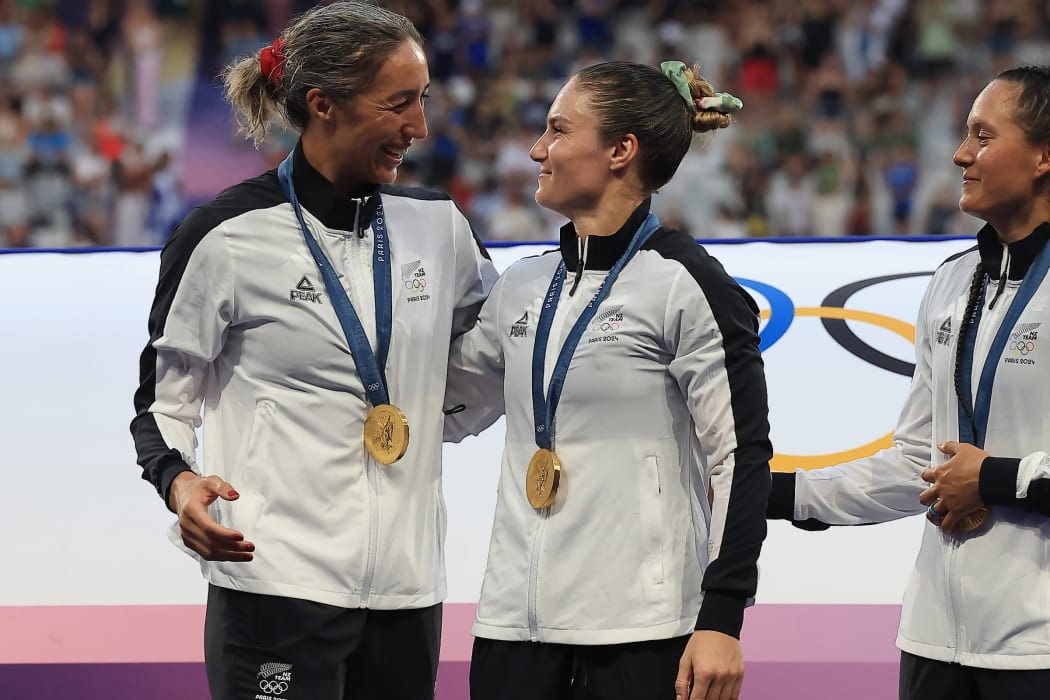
(998, 480)
(722, 613)
(169, 471)
(781, 504)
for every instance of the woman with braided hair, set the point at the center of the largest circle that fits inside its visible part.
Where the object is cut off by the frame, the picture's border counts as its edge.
(290, 310)
(972, 446)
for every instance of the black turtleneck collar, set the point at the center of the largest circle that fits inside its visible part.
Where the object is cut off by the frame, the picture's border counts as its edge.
(602, 251)
(317, 195)
(1022, 253)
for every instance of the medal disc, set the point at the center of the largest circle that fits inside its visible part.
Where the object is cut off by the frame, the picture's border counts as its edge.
(974, 520)
(541, 481)
(386, 433)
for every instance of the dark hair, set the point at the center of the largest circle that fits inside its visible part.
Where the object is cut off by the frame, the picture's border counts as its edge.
(1032, 107)
(338, 48)
(632, 98)
(976, 285)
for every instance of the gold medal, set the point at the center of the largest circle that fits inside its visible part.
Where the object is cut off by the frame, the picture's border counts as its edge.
(974, 520)
(541, 481)
(386, 433)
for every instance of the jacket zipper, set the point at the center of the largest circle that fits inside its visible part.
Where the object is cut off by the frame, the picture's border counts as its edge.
(371, 470)
(562, 319)
(949, 582)
(534, 575)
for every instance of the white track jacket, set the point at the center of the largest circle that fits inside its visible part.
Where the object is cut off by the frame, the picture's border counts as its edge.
(983, 598)
(664, 405)
(242, 324)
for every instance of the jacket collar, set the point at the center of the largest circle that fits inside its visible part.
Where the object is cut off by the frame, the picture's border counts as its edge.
(1022, 253)
(317, 195)
(602, 251)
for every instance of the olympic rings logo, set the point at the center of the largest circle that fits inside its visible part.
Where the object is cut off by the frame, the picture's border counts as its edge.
(275, 687)
(1023, 347)
(606, 327)
(416, 284)
(834, 314)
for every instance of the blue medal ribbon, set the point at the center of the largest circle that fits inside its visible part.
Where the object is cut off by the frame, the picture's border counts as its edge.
(982, 405)
(543, 410)
(371, 367)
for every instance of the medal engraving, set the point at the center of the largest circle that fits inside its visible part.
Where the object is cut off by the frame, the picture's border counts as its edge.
(974, 520)
(542, 478)
(386, 433)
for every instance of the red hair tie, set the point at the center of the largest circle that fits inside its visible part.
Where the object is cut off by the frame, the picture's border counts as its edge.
(271, 62)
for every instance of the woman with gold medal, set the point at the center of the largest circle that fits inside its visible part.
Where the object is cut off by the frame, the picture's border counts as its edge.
(282, 316)
(971, 446)
(630, 511)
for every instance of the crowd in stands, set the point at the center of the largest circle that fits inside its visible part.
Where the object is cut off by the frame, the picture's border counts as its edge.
(853, 108)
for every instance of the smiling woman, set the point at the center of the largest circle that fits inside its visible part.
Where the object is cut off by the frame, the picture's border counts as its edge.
(631, 505)
(972, 447)
(314, 513)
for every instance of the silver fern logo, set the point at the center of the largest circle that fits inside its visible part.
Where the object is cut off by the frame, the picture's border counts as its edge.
(1021, 346)
(606, 324)
(414, 281)
(275, 680)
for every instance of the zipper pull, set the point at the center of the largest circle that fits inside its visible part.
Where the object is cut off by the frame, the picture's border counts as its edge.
(581, 248)
(1002, 281)
(359, 202)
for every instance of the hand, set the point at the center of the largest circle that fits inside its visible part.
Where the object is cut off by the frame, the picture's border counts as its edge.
(189, 496)
(713, 664)
(956, 490)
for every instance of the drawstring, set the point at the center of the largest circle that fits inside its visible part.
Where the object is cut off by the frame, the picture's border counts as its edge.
(581, 248)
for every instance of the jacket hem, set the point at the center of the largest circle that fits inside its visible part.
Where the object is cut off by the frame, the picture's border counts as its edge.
(350, 599)
(999, 662)
(625, 635)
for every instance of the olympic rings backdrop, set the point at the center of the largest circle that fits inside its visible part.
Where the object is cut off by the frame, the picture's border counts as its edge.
(82, 529)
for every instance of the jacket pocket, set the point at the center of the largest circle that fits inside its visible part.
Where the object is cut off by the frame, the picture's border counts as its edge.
(247, 474)
(651, 509)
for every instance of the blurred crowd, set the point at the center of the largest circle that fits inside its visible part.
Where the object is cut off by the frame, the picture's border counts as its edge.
(85, 142)
(853, 108)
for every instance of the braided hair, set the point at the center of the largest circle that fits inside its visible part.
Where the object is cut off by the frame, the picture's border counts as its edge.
(976, 285)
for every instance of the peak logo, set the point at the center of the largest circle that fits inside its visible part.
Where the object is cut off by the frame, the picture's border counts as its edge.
(944, 333)
(520, 328)
(304, 290)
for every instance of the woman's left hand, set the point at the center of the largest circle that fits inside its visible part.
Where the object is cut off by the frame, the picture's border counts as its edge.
(956, 490)
(713, 664)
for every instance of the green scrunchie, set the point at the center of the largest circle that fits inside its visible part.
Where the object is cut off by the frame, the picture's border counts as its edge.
(721, 101)
(675, 72)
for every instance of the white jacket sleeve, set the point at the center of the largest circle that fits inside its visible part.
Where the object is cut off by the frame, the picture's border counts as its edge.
(191, 312)
(474, 388)
(886, 485)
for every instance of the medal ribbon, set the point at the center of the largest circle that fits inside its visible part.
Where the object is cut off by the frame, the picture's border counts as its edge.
(543, 410)
(370, 367)
(982, 405)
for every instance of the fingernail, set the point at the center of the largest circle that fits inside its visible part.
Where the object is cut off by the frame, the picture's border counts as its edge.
(233, 494)
(251, 547)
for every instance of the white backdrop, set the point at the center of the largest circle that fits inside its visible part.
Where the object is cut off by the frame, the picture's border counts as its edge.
(79, 527)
